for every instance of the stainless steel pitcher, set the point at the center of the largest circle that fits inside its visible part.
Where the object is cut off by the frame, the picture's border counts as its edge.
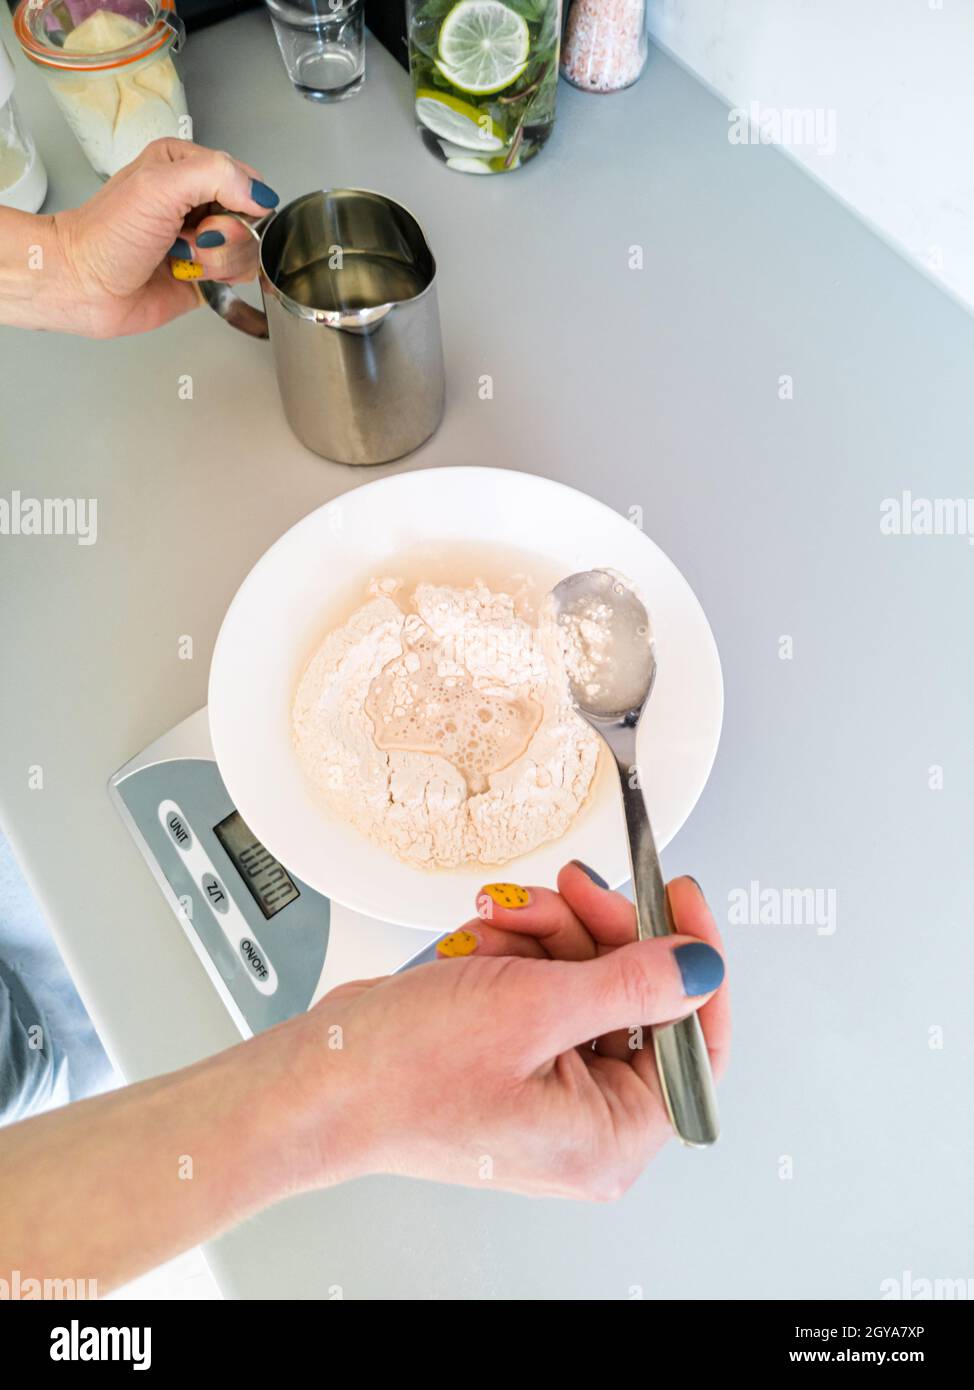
(349, 289)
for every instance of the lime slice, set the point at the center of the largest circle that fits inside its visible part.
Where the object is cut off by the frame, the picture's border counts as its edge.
(468, 165)
(455, 120)
(483, 46)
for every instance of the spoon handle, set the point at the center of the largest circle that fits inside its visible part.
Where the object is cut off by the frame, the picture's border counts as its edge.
(681, 1052)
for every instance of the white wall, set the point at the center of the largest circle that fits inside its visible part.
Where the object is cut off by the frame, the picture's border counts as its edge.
(894, 79)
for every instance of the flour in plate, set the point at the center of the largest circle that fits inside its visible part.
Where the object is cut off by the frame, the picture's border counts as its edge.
(437, 724)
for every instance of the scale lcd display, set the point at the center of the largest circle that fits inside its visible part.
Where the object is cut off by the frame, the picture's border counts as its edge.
(268, 880)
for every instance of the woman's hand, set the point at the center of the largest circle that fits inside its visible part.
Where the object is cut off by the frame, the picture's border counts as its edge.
(117, 253)
(522, 1059)
(477, 1068)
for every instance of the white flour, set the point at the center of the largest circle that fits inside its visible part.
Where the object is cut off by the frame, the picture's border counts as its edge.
(587, 644)
(462, 675)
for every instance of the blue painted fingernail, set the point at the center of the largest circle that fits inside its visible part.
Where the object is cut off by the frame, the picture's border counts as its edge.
(596, 878)
(180, 250)
(208, 239)
(701, 967)
(263, 195)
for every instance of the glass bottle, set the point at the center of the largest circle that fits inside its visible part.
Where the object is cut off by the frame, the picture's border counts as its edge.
(605, 44)
(23, 178)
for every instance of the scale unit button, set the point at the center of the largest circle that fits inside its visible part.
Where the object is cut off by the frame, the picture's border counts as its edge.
(175, 823)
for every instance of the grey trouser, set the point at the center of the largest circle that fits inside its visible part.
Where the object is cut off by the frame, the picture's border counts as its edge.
(27, 1066)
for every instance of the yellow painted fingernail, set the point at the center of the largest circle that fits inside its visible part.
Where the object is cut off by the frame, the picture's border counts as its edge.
(186, 270)
(507, 894)
(458, 943)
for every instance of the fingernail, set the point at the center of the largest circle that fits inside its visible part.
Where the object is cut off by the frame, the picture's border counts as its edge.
(701, 967)
(507, 894)
(458, 943)
(180, 250)
(187, 270)
(695, 884)
(263, 195)
(209, 239)
(590, 873)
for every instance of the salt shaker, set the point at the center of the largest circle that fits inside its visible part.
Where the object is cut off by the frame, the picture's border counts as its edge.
(23, 178)
(604, 47)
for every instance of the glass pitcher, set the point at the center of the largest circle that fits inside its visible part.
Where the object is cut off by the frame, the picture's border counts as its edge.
(485, 76)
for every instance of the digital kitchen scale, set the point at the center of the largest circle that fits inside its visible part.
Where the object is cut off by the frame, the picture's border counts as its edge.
(271, 945)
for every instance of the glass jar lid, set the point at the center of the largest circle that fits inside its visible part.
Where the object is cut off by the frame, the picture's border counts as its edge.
(129, 32)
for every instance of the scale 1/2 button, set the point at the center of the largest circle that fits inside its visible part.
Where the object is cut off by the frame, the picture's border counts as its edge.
(216, 894)
(178, 829)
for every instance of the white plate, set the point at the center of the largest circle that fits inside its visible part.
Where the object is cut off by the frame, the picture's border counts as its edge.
(282, 609)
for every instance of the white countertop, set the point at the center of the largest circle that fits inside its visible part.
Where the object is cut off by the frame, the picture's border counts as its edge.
(655, 389)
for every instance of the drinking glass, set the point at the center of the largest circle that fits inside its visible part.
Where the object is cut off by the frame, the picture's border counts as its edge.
(322, 43)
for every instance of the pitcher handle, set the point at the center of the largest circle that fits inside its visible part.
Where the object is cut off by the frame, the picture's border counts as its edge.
(224, 301)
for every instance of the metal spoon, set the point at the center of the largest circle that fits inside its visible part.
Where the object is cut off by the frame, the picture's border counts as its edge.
(611, 697)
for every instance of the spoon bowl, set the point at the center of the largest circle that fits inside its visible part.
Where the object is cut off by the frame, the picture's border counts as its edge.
(609, 630)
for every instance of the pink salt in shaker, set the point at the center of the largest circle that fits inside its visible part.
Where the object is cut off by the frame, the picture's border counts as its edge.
(604, 46)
